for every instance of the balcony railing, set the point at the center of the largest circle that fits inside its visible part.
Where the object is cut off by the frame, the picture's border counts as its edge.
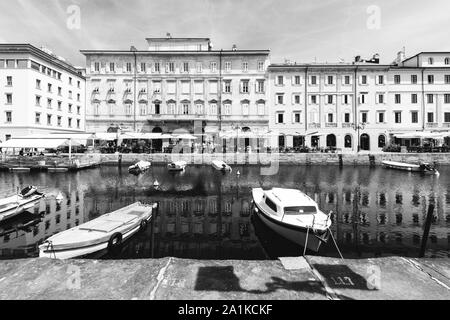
(347, 125)
(330, 125)
(314, 125)
(446, 125)
(431, 125)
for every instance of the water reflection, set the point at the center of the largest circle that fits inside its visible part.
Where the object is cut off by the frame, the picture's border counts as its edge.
(205, 214)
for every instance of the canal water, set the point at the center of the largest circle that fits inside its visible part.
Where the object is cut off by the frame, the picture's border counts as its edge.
(204, 214)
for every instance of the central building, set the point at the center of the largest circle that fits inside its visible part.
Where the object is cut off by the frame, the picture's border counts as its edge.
(177, 83)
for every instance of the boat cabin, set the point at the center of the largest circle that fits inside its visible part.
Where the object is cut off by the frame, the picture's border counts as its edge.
(289, 202)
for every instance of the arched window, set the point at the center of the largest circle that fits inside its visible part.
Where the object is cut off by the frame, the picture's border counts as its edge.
(331, 140)
(381, 141)
(364, 143)
(430, 60)
(348, 141)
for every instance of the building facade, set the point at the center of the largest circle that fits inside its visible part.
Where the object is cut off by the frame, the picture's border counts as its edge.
(178, 83)
(359, 106)
(39, 93)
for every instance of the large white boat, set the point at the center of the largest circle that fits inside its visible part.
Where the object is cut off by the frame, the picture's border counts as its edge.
(101, 235)
(220, 165)
(422, 167)
(177, 166)
(293, 215)
(139, 167)
(24, 200)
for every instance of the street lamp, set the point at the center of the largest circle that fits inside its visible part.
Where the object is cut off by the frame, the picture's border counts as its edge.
(133, 49)
(359, 126)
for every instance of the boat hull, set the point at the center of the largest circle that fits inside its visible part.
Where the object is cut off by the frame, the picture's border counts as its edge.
(406, 167)
(295, 234)
(23, 206)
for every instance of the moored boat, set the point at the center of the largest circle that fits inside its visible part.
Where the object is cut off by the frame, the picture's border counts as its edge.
(220, 165)
(24, 200)
(423, 167)
(177, 166)
(293, 215)
(101, 235)
(139, 167)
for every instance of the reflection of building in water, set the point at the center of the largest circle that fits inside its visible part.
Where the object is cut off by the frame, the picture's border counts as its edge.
(56, 218)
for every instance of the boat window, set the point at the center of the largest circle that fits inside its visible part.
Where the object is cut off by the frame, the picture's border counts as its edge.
(300, 210)
(271, 205)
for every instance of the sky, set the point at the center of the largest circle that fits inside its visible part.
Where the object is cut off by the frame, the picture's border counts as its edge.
(296, 30)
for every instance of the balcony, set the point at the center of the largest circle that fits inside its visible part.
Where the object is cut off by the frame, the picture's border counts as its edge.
(431, 125)
(347, 125)
(446, 125)
(331, 125)
(314, 125)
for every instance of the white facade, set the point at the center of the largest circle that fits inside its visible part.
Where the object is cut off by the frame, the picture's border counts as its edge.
(332, 105)
(39, 93)
(172, 85)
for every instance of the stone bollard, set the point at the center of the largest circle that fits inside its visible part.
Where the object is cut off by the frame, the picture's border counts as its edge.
(371, 161)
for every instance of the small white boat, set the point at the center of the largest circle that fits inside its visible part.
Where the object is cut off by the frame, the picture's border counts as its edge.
(139, 167)
(103, 234)
(20, 202)
(177, 166)
(220, 165)
(293, 215)
(423, 167)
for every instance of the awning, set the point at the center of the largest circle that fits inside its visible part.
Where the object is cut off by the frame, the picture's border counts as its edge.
(420, 135)
(37, 143)
(185, 137)
(107, 136)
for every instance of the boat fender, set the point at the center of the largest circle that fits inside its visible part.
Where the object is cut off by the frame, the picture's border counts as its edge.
(114, 242)
(143, 225)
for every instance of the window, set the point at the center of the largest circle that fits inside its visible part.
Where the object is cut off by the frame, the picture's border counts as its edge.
(313, 80)
(96, 66)
(158, 108)
(213, 108)
(330, 118)
(244, 86)
(297, 117)
(227, 108)
(78, 109)
(9, 81)
(78, 123)
(245, 110)
(9, 98)
(70, 108)
(49, 103)
(49, 119)
(128, 67)
(261, 109)
(447, 79)
(69, 122)
(260, 65)
(245, 66)
(447, 61)
(280, 99)
(227, 87)
(330, 80)
(143, 67)
(362, 98)
(364, 79)
(199, 67)
(280, 118)
(398, 117)
(296, 99)
(70, 80)
(414, 98)
(398, 98)
(447, 98)
(37, 118)
(364, 117)
(380, 79)
(213, 66)
(185, 109)
(380, 117)
(171, 86)
(58, 122)
(414, 79)
(156, 67)
(345, 98)
(447, 117)
(397, 79)
(381, 98)
(59, 91)
(430, 61)
(430, 98)
(260, 86)
(111, 67)
(346, 117)
(198, 86)
(213, 86)
(430, 117)
(49, 86)
(348, 141)
(38, 100)
(414, 117)
(314, 99)
(70, 94)
(186, 67)
(381, 141)
(228, 66)
(59, 105)
(8, 116)
(330, 99)
(430, 79)
(38, 84)
(271, 205)
(346, 80)
(280, 80)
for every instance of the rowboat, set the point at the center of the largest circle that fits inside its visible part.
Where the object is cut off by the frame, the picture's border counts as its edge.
(220, 165)
(177, 166)
(24, 200)
(139, 167)
(423, 167)
(104, 234)
(293, 215)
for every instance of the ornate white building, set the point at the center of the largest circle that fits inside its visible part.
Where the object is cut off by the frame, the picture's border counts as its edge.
(359, 106)
(39, 92)
(177, 83)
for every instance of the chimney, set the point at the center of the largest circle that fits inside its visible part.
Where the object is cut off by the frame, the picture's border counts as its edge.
(358, 59)
(234, 47)
(400, 56)
(168, 35)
